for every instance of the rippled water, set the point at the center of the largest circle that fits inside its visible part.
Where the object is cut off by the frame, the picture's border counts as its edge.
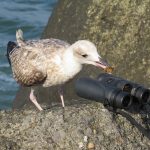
(29, 15)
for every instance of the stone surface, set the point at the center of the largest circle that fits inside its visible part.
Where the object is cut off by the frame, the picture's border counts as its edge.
(121, 31)
(57, 129)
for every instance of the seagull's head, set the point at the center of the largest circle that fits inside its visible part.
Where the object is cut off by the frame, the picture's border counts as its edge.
(85, 52)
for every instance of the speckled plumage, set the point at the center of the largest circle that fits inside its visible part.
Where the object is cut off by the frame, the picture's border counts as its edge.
(49, 61)
(34, 62)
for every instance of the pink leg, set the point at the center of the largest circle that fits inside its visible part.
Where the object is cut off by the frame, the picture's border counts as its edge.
(33, 99)
(60, 91)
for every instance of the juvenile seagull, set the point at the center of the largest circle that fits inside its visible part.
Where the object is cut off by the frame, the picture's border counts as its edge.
(49, 62)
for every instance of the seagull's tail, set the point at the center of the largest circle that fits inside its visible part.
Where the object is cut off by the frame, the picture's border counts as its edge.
(10, 47)
(19, 37)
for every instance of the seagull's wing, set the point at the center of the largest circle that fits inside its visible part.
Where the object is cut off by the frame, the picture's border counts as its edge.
(49, 46)
(29, 61)
(24, 70)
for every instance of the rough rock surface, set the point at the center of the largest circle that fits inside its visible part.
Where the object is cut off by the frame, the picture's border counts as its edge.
(121, 31)
(74, 128)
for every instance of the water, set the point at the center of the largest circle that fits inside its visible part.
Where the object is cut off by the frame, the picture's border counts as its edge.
(29, 15)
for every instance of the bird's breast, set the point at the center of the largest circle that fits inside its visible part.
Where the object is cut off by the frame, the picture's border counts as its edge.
(59, 71)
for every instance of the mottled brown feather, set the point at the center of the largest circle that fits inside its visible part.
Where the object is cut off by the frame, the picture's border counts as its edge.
(33, 62)
(31, 78)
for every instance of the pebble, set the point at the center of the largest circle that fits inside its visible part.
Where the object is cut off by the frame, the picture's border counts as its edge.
(85, 139)
(81, 145)
(91, 146)
(94, 131)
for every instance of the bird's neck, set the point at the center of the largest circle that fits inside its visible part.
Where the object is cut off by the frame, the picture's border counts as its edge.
(71, 65)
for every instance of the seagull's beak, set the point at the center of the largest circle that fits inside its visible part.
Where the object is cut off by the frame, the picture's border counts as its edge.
(101, 63)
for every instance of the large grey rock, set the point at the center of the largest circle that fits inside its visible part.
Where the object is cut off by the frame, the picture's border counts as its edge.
(73, 129)
(120, 29)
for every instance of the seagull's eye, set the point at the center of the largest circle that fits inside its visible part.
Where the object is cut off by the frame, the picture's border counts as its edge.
(84, 55)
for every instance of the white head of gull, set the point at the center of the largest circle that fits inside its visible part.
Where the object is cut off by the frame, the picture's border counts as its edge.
(85, 52)
(50, 62)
